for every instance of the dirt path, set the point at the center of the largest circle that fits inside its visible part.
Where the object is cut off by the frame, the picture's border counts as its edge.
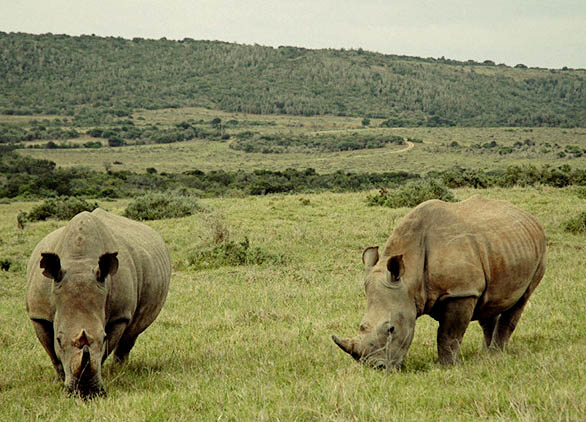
(410, 146)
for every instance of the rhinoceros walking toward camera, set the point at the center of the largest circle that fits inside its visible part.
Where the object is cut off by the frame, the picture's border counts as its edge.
(93, 287)
(475, 260)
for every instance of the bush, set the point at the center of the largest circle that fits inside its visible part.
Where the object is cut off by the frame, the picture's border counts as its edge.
(230, 253)
(116, 141)
(62, 208)
(220, 250)
(412, 194)
(576, 225)
(156, 206)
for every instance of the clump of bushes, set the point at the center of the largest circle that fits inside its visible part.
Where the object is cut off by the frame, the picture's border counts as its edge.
(412, 194)
(222, 251)
(61, 208)
(157, 206)
(576, 225)
(276, 144)
(231, 253)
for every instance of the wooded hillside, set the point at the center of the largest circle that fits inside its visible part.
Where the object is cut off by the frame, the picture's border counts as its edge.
(91, 77)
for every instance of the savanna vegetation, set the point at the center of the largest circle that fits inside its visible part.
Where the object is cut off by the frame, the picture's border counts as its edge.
(259, 285)
(267, 171)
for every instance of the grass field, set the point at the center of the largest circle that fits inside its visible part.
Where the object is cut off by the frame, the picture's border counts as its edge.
(435, 153)
(253, 342)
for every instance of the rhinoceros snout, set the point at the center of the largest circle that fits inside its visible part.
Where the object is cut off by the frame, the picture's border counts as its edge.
(87, 389)
(86, 380)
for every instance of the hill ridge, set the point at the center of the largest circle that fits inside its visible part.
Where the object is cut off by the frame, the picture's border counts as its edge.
(76, 75)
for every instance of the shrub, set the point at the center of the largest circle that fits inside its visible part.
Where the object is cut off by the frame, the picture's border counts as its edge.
(230, 253)
(576, 225)
(116, 141)
(412, 194)
(156, 206)
(220, 250)
(62, 208)
(93, 144)
(458, 177)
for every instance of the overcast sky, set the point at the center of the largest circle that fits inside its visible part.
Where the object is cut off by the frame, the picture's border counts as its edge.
(533, 32)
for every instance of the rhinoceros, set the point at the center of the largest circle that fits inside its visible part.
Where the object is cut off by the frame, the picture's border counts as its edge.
(93, 287)
(479, 259)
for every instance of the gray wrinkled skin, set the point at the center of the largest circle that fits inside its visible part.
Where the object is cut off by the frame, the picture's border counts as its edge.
(474, 260)
(93, 287)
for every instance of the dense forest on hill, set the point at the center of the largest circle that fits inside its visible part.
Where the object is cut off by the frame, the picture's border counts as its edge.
(92, 78)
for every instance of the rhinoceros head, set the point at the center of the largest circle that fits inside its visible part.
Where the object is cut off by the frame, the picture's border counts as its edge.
(387, 328)
(80, 294)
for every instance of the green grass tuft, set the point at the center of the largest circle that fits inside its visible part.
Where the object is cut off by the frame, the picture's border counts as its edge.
(576, 225)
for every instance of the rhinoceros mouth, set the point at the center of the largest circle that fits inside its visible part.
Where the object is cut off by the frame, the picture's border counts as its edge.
(86, 389)
(377, 359)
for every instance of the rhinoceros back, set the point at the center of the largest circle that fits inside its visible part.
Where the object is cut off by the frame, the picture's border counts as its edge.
(137, 291)
(475, 248)
(150, 267)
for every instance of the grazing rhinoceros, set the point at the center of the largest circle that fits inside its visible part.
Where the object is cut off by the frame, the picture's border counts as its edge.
(93, 287)
(474, 260)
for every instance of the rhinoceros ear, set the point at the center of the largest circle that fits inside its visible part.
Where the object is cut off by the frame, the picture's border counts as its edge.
(370, 256)
(51, 265)
(396, 267)
(108, 265)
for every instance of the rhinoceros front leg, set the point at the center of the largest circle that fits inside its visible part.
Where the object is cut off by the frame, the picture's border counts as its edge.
(44, 332)
(453, 322)
(115, 332)
(123, 349)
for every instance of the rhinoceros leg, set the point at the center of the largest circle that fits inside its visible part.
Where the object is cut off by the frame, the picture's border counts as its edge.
(123, 349)
(44, 332)
(488, 325)
(115, 331)
(453, 320)
(509, 319)
(507, 324)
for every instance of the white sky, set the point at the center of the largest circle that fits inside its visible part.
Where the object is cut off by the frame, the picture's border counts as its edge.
(533, 32)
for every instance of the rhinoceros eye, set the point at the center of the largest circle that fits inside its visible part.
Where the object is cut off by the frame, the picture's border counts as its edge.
(59, 340)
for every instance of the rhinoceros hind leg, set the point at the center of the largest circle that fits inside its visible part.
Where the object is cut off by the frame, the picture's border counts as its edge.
(123, 349)
(509, 319)
(44, 332)
(454, 319)
(507, 323)
(488, 326)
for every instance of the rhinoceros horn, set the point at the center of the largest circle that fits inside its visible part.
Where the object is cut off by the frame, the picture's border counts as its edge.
(84, 362)
(346, 345)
